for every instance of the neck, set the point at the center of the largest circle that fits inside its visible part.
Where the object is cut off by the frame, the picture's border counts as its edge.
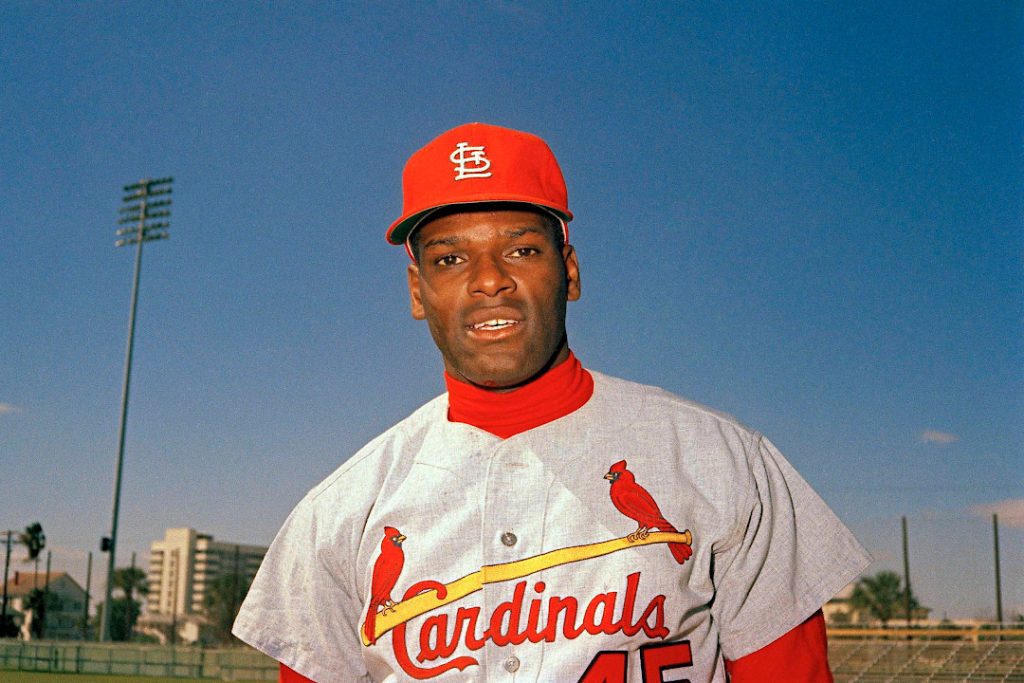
(555, 393)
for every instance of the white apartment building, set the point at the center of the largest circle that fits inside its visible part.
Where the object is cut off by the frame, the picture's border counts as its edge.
(186, 562)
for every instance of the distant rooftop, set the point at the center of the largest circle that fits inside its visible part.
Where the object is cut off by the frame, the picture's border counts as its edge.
(23, 582)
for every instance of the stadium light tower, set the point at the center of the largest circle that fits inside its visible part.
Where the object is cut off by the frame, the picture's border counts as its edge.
(142, 221)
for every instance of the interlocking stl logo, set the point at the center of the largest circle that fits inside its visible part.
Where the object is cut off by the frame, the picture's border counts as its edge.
(470, 161)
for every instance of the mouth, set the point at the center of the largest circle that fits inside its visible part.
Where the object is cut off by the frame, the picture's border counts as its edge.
(493, 325)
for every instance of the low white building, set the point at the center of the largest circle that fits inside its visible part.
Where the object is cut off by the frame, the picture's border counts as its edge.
(840, 611)
(63, 619)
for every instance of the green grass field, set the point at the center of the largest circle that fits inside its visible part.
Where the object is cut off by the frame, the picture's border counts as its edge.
(31, 677)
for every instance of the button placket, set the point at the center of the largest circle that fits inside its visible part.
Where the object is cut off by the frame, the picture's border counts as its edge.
(513, 516)
(511, 476)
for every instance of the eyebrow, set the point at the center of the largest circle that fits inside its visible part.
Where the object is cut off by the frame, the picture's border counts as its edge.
(453, 240)
(441, 241)
(522, 231)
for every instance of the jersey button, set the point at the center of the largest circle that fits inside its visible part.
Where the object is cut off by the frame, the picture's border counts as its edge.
(512, 664)
(509, 539)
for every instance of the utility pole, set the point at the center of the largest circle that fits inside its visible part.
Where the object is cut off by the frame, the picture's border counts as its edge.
(46, 596)
(7, 567)
(906, 569)
(174, 598)
(234, 585)
(88, 585)
(999, 586)
(130, 607)
(140, 212)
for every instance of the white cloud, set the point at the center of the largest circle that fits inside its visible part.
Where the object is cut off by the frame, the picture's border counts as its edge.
(1011, 512)
(934, 436)
(6, 408)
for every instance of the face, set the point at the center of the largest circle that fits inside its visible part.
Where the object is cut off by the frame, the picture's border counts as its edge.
(493, 286)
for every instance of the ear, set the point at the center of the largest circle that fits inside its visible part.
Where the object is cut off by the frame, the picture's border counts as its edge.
(572, 273)
(413, 274)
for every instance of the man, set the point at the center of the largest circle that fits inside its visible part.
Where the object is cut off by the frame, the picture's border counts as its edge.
(540, 522)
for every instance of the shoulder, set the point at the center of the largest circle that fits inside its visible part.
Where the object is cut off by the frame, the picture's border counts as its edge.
(354, 479)
(327, 528)
(646, 405)
(334, 512)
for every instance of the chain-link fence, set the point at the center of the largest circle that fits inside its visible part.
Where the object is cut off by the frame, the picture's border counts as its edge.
(927, 661)
(899, 660)
(230, 664)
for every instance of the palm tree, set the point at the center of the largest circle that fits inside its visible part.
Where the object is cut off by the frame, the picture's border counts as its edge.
(129, 580)
(882, 596)
(34, 539)
(224, 596)
(123, 615)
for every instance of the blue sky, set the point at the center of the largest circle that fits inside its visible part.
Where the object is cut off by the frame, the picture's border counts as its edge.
(806, 215)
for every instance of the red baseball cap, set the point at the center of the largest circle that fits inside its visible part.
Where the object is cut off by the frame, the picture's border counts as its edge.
(474, 163)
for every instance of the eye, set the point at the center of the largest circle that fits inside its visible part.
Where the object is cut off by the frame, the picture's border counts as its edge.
(448, 260)
(523, 252)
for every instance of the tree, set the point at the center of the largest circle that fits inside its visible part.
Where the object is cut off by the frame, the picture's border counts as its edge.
(40, 602)
(882, 596)
(125, 609)
(130, 580)
(839, 618)
(7, 627)
(221, 603)
(123, 615)
(34, 540)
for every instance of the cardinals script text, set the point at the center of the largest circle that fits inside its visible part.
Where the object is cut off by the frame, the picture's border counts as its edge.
(514, 622)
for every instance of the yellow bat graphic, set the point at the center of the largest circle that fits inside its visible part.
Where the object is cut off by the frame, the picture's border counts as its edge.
(509, 571)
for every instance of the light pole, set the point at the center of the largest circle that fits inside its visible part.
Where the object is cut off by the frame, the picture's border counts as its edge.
(999, 583)
(906, 571)
(7, 566)
(142, 220)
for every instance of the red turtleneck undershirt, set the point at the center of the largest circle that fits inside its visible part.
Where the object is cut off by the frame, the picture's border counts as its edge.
(558, 392)
(800, 655)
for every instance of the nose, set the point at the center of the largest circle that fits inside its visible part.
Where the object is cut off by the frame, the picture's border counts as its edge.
(490, 277)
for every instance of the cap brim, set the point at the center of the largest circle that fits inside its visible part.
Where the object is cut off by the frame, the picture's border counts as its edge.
(400, 230)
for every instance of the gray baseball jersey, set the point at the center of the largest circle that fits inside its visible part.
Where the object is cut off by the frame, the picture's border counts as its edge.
(640, 536)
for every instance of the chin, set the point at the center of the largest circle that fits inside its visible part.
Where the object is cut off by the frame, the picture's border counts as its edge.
(498, 381)
(498, 375)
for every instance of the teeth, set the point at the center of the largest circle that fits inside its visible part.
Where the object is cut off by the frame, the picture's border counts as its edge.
(495, 324)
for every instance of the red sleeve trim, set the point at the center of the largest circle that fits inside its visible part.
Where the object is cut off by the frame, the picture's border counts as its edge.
(286, 675)
(799, 656)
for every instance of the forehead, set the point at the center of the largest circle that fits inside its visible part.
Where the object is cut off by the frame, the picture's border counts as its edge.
(482, 224)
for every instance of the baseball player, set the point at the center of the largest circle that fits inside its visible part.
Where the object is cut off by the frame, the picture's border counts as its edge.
(541, 522)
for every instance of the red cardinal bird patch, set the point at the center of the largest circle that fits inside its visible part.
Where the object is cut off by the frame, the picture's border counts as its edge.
(385, 575)
(633, 500)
